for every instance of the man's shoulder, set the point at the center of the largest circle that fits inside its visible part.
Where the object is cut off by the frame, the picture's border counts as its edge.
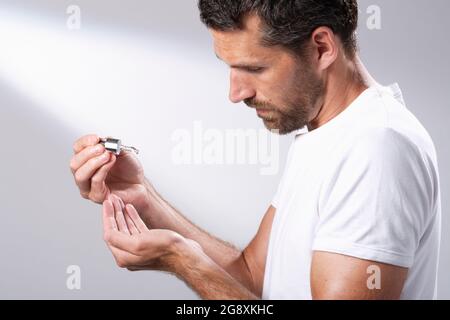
(384, 142)
(389, 128)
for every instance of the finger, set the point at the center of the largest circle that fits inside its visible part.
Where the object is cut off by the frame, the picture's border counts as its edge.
(84, 174)
(128, 220)
(98, 179)
(109, 221)
(84, 155)
(134, 215)
(85, 141)
(121, 203)
(130, 224)
(120, 219)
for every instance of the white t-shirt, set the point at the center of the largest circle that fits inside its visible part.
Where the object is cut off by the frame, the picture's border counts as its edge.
(364, 185)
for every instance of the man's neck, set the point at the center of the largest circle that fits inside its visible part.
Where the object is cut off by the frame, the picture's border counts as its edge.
(343, 85)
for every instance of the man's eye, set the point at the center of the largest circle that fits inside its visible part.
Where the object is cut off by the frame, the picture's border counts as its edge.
(254, 70)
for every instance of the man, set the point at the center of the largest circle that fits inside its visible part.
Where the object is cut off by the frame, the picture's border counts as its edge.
(357, 213)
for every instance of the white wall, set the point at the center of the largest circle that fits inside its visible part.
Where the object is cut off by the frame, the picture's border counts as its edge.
(140, 71)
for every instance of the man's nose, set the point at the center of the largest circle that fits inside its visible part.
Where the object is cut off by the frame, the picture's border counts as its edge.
(240, 89)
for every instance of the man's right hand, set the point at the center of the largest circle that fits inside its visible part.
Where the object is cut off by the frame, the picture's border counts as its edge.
(98, 173)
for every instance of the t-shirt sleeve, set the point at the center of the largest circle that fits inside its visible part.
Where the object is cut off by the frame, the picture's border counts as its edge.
(376, 203)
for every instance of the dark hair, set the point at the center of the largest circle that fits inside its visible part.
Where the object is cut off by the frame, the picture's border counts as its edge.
(289, 23)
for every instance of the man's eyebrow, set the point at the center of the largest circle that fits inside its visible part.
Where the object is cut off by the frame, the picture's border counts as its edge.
(240, 65)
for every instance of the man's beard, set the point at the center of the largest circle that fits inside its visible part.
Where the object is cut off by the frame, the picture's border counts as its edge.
(301, 100)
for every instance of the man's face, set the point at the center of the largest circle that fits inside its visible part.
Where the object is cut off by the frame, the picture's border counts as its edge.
(285, 90)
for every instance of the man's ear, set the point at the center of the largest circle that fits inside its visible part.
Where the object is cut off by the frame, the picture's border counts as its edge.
(325, 47)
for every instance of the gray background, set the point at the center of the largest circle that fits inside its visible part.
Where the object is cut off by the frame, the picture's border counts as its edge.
(140, 71)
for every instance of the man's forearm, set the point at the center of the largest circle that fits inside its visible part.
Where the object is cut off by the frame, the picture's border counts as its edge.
(159, 214)
(206, 278)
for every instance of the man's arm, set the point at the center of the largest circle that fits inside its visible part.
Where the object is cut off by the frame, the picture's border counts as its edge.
(136, 247)
(209, 280)
(340, 277)
(246, 266)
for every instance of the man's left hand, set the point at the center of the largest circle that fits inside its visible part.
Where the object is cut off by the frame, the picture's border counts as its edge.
(136, 247)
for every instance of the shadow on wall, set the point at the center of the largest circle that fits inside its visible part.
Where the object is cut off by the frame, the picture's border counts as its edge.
(46, 226)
